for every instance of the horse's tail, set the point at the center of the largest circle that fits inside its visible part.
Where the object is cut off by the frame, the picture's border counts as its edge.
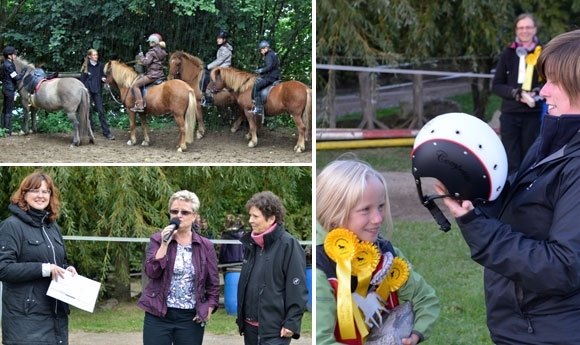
(84, 113)
(307, 113)
(190, 116)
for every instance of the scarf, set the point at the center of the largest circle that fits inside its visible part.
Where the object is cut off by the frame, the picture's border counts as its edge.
(259, 238)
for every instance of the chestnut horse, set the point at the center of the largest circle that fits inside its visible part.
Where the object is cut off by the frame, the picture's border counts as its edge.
(173, 96)
(190, 69)
(68, 94)
(291, 96)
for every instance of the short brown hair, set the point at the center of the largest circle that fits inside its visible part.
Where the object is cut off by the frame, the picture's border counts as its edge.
(269, 204)
(34, 181)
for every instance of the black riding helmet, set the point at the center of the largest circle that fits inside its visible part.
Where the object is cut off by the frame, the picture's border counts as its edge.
(222, 34)
(9, 50)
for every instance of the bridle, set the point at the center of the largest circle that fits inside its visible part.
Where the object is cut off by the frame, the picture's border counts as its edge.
(177, 75)
(108, 87)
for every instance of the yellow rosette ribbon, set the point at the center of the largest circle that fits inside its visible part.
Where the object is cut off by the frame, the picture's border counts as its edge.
(531, 60)
(365, 260)
(397, 277)
(340, 245)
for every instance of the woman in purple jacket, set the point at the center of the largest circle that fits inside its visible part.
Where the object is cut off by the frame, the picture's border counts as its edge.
(183, 289)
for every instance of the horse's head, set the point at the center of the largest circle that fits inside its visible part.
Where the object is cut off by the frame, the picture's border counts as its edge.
(175, 65)
(216, 81)
(108, 69)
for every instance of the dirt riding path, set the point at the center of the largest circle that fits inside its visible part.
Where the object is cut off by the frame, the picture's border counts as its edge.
(222, 147)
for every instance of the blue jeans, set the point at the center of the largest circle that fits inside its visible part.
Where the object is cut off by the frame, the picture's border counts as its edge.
(177, 328)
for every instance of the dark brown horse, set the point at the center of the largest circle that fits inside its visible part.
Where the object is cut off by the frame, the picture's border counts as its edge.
(190, 69)
(68, 94)
(173, 96)
(291, 96)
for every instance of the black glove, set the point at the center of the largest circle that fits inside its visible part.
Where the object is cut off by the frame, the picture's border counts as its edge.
(517, 94)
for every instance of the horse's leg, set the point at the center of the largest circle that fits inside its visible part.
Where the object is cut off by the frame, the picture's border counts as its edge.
(72, 116)
(181, 124)
(33, 113)
(300, 144)
(200, 129)
(252, 132)
(237, 124)
(145, 141)
(132, 139)
(25, 114)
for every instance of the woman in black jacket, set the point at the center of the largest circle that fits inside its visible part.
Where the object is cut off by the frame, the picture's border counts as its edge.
(272, 292)
(32, 253)
(530, 247)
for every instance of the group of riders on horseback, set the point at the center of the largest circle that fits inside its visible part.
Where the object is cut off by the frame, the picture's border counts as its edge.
(154, 60)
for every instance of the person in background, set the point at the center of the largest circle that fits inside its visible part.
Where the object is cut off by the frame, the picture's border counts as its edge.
(9, 80)
(529, 250)
(93, 76)
(269, 74)
(223, 59)
(272, 292)
(183, 289)
(32, 254)
(352, 207)
(516, 81)
(154, 60)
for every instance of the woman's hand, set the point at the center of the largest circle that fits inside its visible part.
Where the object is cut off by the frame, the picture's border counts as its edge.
(457, 207)
(286, 333)
(412, 340)
(72, 270)
(56, 272)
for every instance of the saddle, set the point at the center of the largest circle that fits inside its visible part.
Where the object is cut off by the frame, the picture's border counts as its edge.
(33, 80)
(266, 91)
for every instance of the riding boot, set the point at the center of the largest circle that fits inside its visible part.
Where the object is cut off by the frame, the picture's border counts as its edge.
(258, 108)
(7, 123)
(207, 100)
(138, 108)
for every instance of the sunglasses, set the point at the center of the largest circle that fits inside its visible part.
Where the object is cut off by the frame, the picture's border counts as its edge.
(176, 212)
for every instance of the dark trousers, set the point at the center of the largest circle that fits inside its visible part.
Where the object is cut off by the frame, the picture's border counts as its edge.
(177, 328)
(252, 337)
(98, 106)
(260, 84)
(518, 133)
(7, 110)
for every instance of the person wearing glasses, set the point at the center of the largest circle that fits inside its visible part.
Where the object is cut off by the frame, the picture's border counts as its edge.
(184, 287)
(32, 254)
(516, 81)
(272, 292)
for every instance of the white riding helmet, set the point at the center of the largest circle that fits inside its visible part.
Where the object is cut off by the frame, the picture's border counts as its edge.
(153, 38)
(462, 152)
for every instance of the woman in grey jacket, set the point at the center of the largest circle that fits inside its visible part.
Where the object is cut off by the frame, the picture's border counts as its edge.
(32, 253)
(530, 246)
(183, 288)
(272, 292)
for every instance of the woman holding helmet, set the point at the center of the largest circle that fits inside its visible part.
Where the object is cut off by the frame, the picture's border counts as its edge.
(530, 246)
(154, 60)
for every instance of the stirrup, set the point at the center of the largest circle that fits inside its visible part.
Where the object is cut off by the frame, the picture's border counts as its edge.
(137, 109)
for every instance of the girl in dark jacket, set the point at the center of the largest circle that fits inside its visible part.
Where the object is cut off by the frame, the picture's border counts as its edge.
(530, 247)
(183, 289)
(32, 253)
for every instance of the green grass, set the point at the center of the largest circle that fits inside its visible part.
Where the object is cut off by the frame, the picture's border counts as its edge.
(127, 317)
(443, 260)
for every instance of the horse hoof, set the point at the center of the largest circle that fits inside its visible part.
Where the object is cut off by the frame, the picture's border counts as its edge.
(130, 143)
(179, 149)
(92, 141)
(233, 130)
(298, 149)
(199, 135)
(252, 144)
(144, 143)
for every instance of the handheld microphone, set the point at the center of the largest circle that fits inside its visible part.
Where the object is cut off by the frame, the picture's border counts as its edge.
(175, 222)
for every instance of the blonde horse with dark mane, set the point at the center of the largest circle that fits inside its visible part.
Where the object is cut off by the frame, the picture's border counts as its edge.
(292, 96)
(172, 96)
(68, 94)
(189, 68)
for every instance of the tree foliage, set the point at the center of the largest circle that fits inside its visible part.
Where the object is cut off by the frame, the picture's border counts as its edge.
(57, 34)
(133, 202)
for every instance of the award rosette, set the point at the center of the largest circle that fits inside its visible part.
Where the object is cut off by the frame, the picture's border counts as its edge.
(365, 260)
(397, 277)
(340, 245)
(531, 60)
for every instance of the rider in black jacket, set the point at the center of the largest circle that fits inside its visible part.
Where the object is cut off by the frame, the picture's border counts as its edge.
(9, 80)
(268, 75)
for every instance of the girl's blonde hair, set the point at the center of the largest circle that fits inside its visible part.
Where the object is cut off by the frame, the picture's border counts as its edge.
(340, 186)
(85, 66)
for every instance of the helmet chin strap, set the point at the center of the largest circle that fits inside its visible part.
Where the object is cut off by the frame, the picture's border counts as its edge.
(429, 203)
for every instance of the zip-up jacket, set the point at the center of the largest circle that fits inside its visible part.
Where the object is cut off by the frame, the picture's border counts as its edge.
(283, 294)
(531, 251)
(29, 316)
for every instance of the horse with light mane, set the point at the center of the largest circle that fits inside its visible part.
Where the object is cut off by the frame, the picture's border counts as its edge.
(190, 69)
(172, 96)
(68, 94)
(291, 96)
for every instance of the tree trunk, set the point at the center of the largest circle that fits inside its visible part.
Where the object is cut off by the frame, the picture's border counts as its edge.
(418, 116)
(480, 96)
(368, 86)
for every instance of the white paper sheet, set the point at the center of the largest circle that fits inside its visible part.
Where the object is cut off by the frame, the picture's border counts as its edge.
(77, 290)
